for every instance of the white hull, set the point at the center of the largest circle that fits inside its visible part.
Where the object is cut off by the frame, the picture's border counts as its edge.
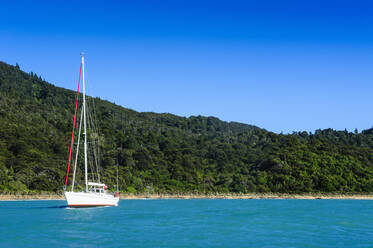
(90, 199)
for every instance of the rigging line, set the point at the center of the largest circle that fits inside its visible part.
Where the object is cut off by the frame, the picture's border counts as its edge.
(80, 179)
(117, 176)
(92, 150)
(78, 153)
(93, 121)
(92, 118)
(96, 160)
(89, 152)
(92, 171)
(77, 149)
(91, 166)
(72, 135)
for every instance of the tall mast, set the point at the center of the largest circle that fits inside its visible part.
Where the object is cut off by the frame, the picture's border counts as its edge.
(85, 130)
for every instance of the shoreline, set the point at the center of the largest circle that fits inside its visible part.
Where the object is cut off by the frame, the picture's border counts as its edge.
(306, 196)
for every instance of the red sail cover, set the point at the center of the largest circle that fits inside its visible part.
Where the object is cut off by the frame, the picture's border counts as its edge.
(72, 134)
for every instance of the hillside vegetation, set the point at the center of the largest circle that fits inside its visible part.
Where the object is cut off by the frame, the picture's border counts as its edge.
(168, 153)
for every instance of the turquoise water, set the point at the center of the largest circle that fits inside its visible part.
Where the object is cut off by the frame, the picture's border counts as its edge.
(189, 223)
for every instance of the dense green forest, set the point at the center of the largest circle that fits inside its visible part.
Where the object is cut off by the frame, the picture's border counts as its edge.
(168, 153)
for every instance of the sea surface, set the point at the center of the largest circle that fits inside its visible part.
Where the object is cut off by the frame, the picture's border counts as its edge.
(189, 223)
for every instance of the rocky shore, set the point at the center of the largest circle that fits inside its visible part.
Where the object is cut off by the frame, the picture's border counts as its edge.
(22, 197)
(13, 197)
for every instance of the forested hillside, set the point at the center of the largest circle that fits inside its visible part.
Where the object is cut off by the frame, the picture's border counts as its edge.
(168, 153)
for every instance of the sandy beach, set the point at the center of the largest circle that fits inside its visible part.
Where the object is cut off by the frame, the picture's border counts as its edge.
(366, 196)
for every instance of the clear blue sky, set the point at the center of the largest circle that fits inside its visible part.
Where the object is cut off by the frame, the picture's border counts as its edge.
(281, 65)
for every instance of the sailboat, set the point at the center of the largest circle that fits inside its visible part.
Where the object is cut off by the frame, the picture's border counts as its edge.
(95, 193)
